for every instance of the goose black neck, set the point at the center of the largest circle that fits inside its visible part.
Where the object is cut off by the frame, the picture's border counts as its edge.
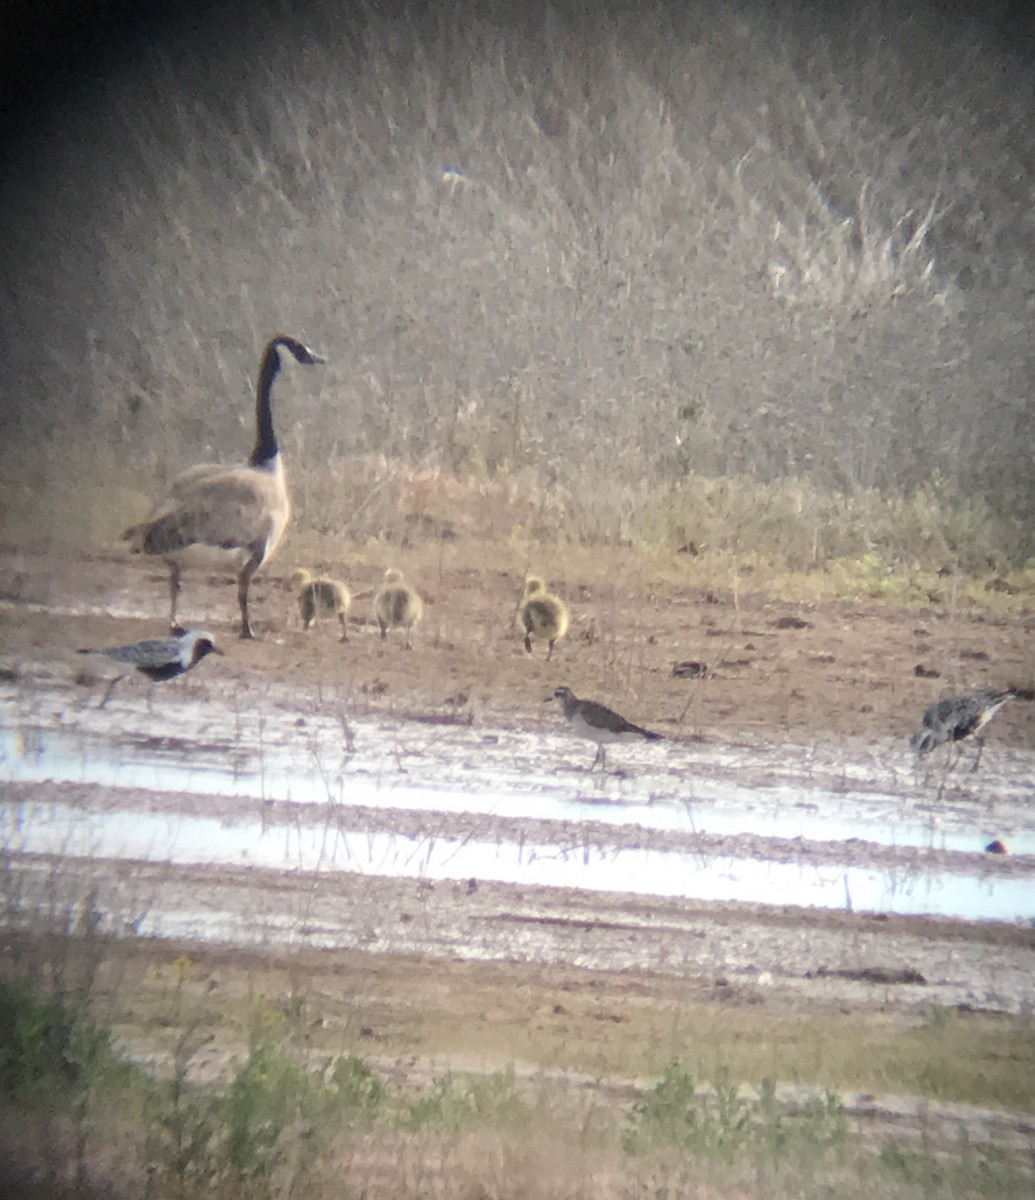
(266, 448)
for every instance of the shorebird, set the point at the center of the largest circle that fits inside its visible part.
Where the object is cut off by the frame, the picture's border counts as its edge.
(236, 513)
(160, 658)
(397, 605)
(543, 615)
(322, 598)
(599, 723)
(958, 717)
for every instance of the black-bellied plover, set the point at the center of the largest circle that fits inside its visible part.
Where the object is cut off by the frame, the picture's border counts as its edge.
(234, 513)
(600, 724)
(958, 717)
(159, 659)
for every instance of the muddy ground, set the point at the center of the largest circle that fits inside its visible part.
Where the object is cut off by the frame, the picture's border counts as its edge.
(810, 677)
(800, 670)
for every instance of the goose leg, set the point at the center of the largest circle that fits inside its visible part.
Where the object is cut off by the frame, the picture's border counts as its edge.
(343, 621)
(243, 583)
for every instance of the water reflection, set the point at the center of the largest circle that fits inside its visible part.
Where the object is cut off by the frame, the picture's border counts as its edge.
(499, 774)
(48, 828)
(507, 781)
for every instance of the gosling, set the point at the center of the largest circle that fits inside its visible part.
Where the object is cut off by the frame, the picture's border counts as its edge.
(322, 598)
(543, 615)
(397, 605)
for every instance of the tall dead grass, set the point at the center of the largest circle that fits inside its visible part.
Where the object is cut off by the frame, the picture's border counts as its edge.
(621, 257)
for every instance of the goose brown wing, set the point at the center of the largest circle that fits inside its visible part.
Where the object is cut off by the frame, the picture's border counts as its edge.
(229, 508)
(183, 486)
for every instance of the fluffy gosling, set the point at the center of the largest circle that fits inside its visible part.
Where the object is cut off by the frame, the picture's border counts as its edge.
(543, 615)
(322, 598)
(397, 605)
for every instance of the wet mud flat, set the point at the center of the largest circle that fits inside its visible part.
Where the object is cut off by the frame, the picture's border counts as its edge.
(421, 831)
(769, 953)
(828, 872)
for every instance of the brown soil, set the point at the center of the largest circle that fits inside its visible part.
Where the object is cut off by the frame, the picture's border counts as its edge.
(771, 670)
(770, 667)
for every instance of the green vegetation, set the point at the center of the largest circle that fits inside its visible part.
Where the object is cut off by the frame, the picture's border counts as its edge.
(725, 1124)
(453, 1105)
(978, 1172)
(277, 1117)
(49, 1051)
(756, 278)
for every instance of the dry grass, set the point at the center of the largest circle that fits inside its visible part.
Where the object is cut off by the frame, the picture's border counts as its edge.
(618, 265)
(559, 1021)
(786, 540)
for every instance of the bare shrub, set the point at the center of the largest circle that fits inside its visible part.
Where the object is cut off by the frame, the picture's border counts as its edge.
(618, 253)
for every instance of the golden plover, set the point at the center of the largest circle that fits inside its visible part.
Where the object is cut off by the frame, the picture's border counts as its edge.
(600, 724)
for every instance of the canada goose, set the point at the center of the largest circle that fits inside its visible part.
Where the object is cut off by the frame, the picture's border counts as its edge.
(322, 598)
(957, 717)
(543, 615)
(600, 724)
(240, 512)
(162, 658)
(397, 605)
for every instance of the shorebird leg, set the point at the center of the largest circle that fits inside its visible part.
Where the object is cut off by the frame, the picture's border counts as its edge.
(108, 691)
(174, 594)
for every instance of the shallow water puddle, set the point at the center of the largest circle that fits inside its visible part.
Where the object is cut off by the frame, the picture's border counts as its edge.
(57, 829)
(451, 770)
(463, 770)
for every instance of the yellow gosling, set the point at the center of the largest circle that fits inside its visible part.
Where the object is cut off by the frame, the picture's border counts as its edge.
(543, 615)
(319, 597)
(397, 605)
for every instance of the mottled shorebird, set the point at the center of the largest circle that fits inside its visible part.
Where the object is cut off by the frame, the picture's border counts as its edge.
(543, 615)
(957, 717)
(397, 605)
(160, 658)
(600, 724)
(237, 514)
(322, 598)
